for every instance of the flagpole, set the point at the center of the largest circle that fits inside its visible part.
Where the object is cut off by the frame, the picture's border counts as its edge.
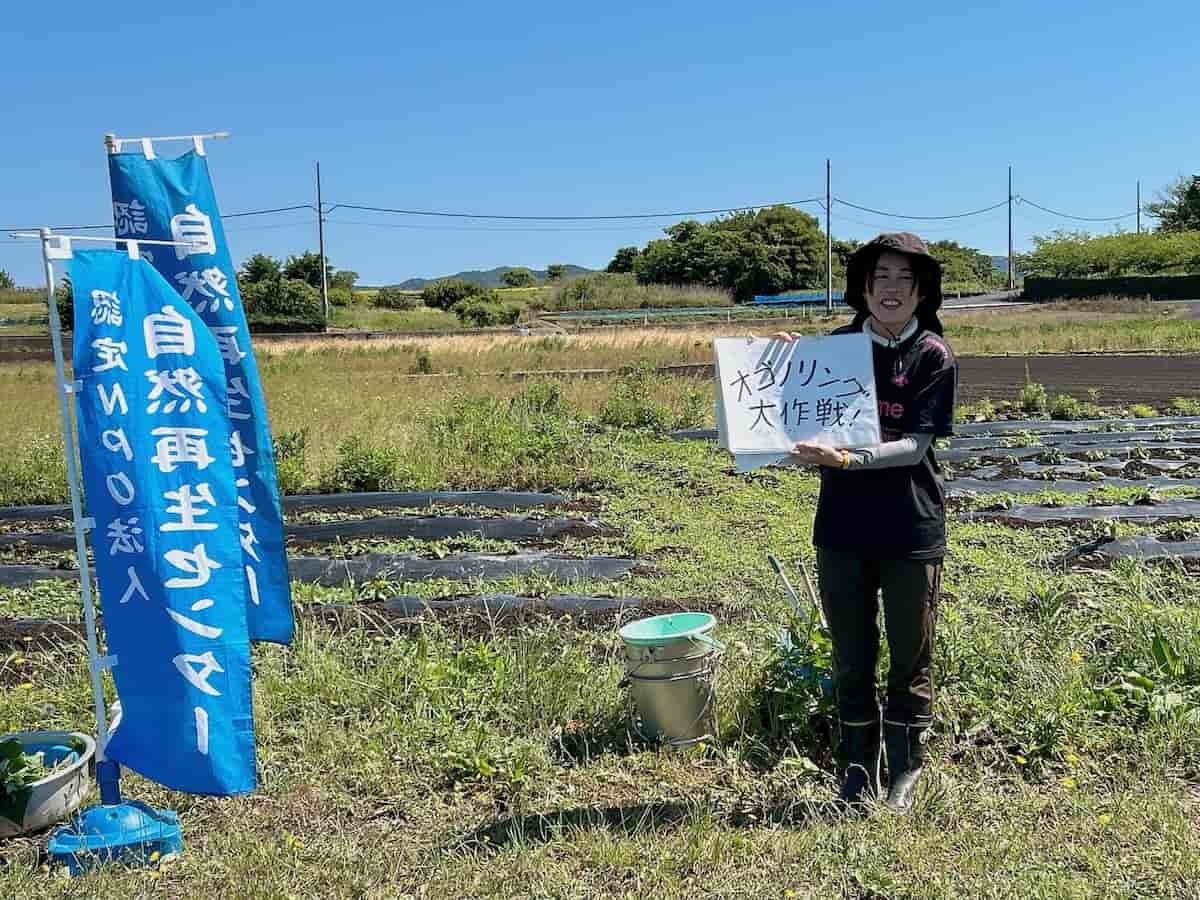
(66, 393)
(59, 247)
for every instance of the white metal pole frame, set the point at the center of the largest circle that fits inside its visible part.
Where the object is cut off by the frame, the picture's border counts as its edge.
(59, 247)
(115, 144)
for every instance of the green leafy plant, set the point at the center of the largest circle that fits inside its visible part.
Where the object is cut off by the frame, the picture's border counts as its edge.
(395, 298)
(19, 772)
(290, 459)
(1033, 397)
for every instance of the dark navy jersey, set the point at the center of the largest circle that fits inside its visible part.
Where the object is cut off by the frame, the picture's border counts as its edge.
(896, 513)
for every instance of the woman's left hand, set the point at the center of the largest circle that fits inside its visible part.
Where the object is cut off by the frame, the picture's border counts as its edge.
(814, 454)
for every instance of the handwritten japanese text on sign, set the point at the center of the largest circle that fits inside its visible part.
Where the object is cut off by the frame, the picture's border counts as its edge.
(772, 393)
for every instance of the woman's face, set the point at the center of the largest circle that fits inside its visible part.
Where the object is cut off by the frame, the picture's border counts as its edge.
(892, 292)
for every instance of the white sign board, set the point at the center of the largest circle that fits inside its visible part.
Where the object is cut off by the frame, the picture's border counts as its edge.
(771, 394)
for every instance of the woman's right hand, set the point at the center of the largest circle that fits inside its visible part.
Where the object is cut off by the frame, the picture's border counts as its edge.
(786, 336)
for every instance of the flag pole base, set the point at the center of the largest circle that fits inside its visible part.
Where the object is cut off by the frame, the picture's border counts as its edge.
(115, 831)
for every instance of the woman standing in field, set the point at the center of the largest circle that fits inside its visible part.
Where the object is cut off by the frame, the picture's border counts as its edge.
(881, 519)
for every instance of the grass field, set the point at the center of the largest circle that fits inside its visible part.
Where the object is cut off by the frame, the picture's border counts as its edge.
(471, 758)
(1067, 328)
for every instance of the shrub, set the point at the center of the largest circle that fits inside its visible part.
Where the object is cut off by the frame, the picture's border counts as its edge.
(1033, 397)
(602, 290)
(519, 277)
(1142, 411)
(1068, 408)
(283, 304)
(64, 299)
(362, 467)
(341, 296)
(285, 297)
(1184, 406)
(487, 310)
(290, 458)
(446, 293)
(394, 298)
(633, 404)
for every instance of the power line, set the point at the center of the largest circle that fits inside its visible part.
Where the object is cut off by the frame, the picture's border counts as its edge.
(664, 215)
(890, 215)
(237, 215)
(990, 220)
(263, 212)
(501, 230)
(1063, 215)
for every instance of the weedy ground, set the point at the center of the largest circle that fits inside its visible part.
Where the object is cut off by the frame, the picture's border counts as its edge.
(470, 757)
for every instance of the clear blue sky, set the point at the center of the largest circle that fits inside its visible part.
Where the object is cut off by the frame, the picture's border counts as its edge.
(544, 109)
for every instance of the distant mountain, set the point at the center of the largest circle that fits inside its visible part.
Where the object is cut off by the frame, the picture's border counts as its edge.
(492, 278)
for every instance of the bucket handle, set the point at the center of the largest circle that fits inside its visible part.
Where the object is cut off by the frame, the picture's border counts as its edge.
(710, 641)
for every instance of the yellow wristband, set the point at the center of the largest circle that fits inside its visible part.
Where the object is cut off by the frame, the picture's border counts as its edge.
(845, 460)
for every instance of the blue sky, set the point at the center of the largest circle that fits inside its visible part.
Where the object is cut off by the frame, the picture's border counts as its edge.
(543, 109)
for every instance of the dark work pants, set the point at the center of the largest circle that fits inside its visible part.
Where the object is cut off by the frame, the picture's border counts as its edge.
(850, 584)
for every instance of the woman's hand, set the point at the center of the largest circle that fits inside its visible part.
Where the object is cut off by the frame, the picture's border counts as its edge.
(786, 336)
(808, 453)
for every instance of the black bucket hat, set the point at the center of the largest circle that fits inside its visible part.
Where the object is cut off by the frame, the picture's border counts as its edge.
(927, 270)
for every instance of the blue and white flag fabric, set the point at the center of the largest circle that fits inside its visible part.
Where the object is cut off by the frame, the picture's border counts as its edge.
(173, 200)
(154, 437)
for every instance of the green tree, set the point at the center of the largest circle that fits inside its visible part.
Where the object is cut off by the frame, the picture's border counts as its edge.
(1077, 254)
(966, 265)
(765, 252)
(342, 280)
(394, 298)
(447, 292)
(1178, 205)
(519, 277)
(6, 281)
(307, 268)
(258, 268)
(486, 310)
(64, 299)
(555, 272)
(623, 260)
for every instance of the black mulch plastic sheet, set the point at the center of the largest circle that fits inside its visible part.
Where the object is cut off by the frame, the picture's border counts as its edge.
(1153, 513)
(967, 487)
(1053, 426)
(459, 567)
(1150, 548)
(372, 500)
(1097, 439)
(403, 567)
(430, 528)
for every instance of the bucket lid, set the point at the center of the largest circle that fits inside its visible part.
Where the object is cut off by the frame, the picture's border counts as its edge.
(670, 627)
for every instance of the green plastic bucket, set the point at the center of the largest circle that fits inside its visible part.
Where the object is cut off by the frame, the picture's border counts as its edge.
(671, 669)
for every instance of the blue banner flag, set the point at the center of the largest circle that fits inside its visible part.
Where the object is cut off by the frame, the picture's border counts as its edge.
(173, 200)
(154, 438)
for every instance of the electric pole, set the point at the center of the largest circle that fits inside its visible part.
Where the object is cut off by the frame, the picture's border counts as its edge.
(828, 242)
(1011, 279)
(321, 246)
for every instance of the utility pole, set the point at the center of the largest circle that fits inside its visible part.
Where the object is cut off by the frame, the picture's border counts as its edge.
(828, 242)
(1011, 279)
(321, 245)
(1139, 216)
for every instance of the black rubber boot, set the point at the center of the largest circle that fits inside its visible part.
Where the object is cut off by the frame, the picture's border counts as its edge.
(905, 758)
(860, 762)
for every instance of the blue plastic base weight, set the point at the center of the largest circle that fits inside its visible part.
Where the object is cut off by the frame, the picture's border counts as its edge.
(130, 833)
